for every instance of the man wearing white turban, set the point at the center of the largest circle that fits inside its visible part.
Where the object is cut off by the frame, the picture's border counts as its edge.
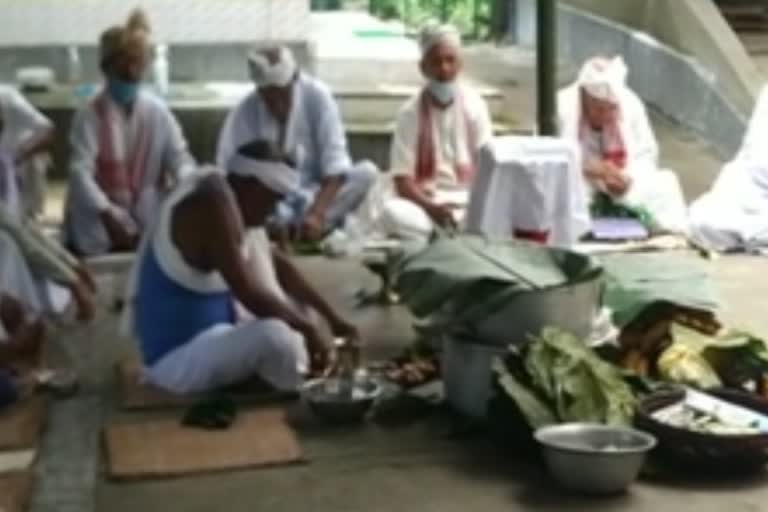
(733, 215)
(300, 114)
(127, 148)
(438, 134)
(198, 281)
(619, 150)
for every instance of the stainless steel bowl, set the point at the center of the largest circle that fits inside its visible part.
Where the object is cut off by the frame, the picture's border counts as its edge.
(337, 409)
(594, 459)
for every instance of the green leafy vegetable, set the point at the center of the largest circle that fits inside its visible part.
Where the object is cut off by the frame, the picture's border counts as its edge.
(564, 380)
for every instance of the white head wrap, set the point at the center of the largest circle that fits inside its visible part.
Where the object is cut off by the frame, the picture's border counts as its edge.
(604, 78)
(277, 176)
(265, 74)
(434, 33)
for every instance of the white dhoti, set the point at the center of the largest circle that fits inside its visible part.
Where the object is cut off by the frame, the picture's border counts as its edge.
(18, 281)
(227, 354)
(406, 220)
(733, 215)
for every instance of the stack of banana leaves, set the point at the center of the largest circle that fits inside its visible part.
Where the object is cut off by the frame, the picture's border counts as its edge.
(557, 378)
(466, 278)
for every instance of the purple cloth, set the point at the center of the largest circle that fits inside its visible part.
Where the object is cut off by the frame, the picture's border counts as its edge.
(617, 229)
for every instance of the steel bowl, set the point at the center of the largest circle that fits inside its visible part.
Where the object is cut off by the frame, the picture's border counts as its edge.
(335, 408)
(594, 459)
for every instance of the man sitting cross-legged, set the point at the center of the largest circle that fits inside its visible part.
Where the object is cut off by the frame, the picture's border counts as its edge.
(193, 271)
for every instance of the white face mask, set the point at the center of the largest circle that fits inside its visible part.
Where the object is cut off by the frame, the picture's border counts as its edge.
(443, 92)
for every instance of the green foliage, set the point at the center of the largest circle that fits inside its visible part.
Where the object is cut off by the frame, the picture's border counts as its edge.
(470, 16)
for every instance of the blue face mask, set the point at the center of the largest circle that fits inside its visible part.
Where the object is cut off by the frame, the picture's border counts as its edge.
(124, 93)
(443, 92)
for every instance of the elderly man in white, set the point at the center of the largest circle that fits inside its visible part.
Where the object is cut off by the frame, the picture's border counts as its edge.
(438, 134)
(733, 214)
(299, 113)
(620, 153)
(127, 149)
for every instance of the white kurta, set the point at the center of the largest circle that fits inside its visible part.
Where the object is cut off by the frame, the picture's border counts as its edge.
(168, 159)
(23, 124)
(314, 136)
(734, 213)
(401, 218)
(656, 190)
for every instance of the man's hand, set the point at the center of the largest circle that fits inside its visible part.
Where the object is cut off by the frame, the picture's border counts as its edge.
(121, 238)
(442, 215)
(85, 276)
(313, 226)
(595, 170)
(83, 298)
(320, 349)
(343, 329)
(617, 183)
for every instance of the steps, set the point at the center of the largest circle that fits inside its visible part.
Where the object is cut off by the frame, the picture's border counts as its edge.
(749, 20)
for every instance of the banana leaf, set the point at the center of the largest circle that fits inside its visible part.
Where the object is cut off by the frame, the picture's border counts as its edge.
(634, 282)
(476, 275)
(537, 413)
(565, 381)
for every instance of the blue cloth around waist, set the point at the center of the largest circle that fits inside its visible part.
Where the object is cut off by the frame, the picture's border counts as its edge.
(169, 315)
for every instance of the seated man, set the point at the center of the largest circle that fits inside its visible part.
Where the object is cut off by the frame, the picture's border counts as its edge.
(619, 149)
(192, 272)
(733, 215)
(126, 150)
(300, 114)
(25, 136)
(434, 150)
(33, 266)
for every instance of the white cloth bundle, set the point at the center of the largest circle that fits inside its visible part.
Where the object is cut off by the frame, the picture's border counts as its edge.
(529, 184)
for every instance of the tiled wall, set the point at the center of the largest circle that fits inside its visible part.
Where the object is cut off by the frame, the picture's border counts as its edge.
(207, 38)
(53, 22)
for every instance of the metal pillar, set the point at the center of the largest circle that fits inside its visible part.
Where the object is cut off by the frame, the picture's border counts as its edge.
(546, 66)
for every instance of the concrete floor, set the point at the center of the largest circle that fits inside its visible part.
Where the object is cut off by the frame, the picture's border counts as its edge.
(420, 467)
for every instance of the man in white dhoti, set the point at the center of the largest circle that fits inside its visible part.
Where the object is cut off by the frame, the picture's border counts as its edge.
(185, 286)
(127, 148)
(437, 137)
(733, 214)
(25, 137)
(620, 153)
(300, 114)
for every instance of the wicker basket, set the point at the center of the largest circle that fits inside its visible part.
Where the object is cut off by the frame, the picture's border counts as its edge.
(705, 453)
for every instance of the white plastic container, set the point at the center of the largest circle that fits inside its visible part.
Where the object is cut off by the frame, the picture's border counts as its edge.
(161, 70)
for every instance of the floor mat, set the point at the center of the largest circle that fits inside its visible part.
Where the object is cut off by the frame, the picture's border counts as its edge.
(163, 448)
(15, 492)
(137, 395)
(22, 424)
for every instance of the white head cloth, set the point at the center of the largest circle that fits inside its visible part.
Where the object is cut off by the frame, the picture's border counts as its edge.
(604, 78)
(434, 33)
(265, 74)
(276, 176)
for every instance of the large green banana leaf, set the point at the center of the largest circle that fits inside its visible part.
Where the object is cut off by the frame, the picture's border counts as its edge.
(473, 273)
(634, 281)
